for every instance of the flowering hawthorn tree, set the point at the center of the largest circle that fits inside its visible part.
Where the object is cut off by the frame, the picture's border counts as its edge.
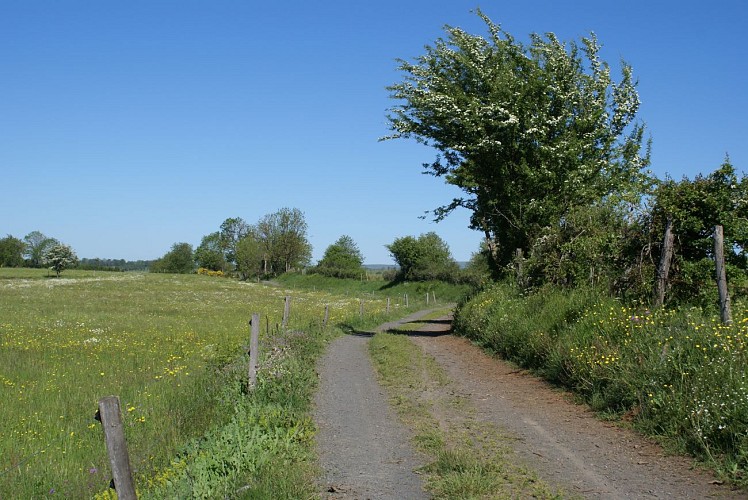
(526, 132)
(60, 257)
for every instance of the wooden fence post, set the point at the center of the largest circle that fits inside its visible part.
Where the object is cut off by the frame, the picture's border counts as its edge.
(406, 300)
(327, 316)
(361, 308)
(286, 311)
(433, 296)
(427, 298)
(518, 268)
(254, 347)
(110, 416)
(388, 305)
(719, 259)
(664, 268)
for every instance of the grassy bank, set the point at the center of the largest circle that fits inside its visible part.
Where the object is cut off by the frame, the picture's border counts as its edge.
(466, 460)
(396, 291)
(679, 375)
(171, 347)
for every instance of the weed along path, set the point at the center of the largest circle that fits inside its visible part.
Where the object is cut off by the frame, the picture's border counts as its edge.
(564, 443)
(363, 449)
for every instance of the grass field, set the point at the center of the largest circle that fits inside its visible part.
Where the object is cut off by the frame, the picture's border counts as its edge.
(169, 346)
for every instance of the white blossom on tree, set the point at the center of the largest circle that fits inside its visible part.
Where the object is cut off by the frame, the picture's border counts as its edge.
(59, 257)
(525, 131)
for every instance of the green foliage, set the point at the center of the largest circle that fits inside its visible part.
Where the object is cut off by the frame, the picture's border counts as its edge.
(250, 255)
(695, 207)
(284, 234)
(11, 252)
(232, 231)
(36, 246)
(681, 373)
(596, 246)
(424, 258)
(209, 254)
(179, 260)
(342, 259)
(59, 257)
(527, 132)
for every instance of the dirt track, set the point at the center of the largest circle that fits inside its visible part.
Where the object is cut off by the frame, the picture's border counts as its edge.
(563, 442)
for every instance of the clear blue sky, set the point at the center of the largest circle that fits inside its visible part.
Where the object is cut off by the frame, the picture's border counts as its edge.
(128, 126)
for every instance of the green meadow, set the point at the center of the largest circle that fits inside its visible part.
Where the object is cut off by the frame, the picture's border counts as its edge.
(173, 348)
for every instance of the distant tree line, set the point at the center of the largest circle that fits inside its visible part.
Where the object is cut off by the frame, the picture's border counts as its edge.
(275, 244)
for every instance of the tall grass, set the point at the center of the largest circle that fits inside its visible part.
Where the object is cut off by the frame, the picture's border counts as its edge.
(170, 346)
(679, 374)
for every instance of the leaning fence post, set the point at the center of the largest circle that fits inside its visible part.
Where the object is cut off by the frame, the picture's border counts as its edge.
(254, 347)
(286, 311)
(433, 295)
(719, 259)
(110, 416)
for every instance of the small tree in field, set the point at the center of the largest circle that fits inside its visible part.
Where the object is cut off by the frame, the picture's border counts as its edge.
(424, 258)
(342, 259)
(59, 257)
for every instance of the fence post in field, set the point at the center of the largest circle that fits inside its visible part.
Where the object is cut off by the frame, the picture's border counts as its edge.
(388, 305)
(406, 300)
(427, 298)
(719, 259)
(519, 271)
(254, 348)
(664, 268)
(433, 296)
(361, 308)
(327, 316)
(110, 416)
(286, 311)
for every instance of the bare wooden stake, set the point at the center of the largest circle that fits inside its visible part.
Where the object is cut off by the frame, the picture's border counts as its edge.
(433, 296)
(427, 298)
(406, 300)
(388, 305)
(254, 347)
(110, 416)
(327, 316)
(664, 268)
(719, 259)
(286, 311)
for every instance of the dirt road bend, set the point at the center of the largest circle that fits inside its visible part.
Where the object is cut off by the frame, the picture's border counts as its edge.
(363, 448)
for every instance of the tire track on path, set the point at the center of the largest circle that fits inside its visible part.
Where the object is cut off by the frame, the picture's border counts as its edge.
(363, 448)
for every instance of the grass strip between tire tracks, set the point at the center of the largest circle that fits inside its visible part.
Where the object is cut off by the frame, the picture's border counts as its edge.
(466, 460)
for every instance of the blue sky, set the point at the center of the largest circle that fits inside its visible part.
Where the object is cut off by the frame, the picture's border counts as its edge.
(128, 126)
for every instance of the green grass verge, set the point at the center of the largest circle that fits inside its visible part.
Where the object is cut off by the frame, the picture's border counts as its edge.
(466, 460)
(680, 375)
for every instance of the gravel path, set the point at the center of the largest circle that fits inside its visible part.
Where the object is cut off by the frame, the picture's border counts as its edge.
(363, 449)
(365, 452)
